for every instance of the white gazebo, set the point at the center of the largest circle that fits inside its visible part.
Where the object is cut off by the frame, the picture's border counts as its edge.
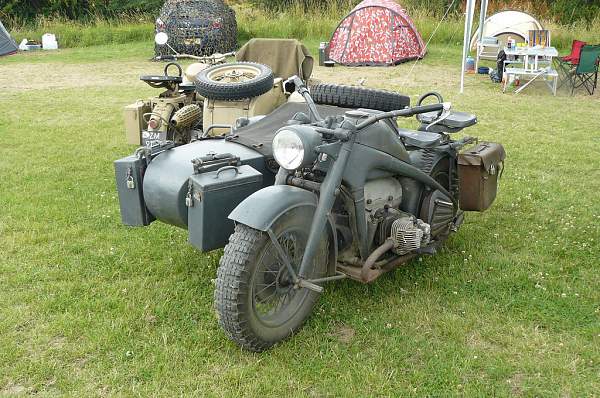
(513, 22)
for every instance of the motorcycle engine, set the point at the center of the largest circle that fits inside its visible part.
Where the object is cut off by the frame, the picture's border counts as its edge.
(382, 192)
(382, 199)
(406, 231)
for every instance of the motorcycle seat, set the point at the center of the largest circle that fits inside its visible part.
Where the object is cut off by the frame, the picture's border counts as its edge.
(419, 139)
(455, 122)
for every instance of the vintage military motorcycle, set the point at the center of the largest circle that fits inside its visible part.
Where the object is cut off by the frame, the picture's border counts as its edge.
(355, 196)
(316, 195)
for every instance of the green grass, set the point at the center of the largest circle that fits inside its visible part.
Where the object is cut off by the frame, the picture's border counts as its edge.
(92, 308)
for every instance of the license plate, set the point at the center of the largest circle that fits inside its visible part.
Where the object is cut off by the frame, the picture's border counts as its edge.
(148, 136)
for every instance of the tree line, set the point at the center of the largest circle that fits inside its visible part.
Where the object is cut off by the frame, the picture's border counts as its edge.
(563, 11)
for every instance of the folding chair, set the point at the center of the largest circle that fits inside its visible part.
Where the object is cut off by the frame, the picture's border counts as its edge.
(566, 63)
(487, 49)
(585, 74)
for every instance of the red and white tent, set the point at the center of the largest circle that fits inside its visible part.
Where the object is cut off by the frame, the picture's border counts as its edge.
(376, 32)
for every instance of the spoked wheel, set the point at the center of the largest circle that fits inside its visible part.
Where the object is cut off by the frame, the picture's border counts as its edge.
(234, 81)
(256, 300)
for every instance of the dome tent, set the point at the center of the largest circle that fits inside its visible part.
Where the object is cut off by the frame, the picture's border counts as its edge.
(7, 44)
(508, 23)
(376, 32)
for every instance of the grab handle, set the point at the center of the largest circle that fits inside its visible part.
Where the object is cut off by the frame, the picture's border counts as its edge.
(225, 168)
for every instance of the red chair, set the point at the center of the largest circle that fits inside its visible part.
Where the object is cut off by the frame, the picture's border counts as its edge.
(566, 64)
(573, 58)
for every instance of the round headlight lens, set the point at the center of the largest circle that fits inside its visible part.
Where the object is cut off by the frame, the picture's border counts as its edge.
(288, 149)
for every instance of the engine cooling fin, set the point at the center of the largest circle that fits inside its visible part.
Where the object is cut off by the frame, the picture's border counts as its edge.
(409, 234)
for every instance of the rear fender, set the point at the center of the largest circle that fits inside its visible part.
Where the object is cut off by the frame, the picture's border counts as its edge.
(261, 209)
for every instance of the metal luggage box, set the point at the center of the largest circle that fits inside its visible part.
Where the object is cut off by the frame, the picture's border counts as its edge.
(479, 170)
(129, 174)
(211, 197)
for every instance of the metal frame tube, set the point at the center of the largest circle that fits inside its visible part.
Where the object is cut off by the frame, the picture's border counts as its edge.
(326, 199)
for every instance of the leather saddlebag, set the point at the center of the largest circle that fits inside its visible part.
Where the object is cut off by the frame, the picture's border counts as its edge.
(479, 170)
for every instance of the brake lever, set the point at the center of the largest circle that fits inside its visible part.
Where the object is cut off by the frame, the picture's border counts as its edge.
(446, 112)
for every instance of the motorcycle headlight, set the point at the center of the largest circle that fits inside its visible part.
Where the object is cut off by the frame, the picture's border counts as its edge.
(293, 148)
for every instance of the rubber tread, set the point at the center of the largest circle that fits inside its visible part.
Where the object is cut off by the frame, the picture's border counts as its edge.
(235, 91)
(231, 287)
(358, 97)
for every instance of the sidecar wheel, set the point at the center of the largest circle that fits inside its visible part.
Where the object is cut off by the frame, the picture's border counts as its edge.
(255, 299)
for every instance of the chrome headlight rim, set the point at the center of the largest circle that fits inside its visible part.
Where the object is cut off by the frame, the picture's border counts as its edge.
(305, 140)
(288, 149)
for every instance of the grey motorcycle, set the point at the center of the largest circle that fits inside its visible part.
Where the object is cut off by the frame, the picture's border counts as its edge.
(355, 196)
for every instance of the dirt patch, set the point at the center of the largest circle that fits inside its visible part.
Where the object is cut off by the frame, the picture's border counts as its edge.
(344, 334)
(22, 77)
(516, 384)
(396, 77)
(14, 390)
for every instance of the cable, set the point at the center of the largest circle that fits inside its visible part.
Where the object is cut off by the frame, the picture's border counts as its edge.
(429, 40)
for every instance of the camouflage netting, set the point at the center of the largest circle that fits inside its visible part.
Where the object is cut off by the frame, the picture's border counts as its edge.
(197, 27)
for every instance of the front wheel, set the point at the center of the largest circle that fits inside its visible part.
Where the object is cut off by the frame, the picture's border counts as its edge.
(255, 298)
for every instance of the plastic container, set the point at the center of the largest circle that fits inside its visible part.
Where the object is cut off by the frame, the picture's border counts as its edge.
(470, 65)
(323, 53)
(49, 42)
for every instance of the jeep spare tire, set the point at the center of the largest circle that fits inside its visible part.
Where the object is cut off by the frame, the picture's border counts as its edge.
(234, 81)
(358, 97)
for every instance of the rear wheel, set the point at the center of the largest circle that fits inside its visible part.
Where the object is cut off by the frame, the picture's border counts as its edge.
(255, 297)
(358, 97)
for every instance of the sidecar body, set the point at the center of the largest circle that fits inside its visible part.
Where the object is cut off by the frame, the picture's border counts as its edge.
(195, 186)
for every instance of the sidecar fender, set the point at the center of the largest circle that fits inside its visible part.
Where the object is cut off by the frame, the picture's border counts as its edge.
(261, 209)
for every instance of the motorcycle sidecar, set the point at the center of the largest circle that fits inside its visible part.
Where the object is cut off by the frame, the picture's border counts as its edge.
(195, 186)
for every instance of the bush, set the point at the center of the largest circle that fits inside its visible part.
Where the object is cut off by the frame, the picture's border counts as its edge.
(563, 11)
(19, 11)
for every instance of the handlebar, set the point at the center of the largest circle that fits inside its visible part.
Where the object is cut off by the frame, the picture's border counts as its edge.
(407, 112)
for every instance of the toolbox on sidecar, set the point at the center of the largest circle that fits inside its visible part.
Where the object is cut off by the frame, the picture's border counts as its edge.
(211, 197)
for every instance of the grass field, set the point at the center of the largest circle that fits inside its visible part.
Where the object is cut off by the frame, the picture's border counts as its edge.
(89, 307)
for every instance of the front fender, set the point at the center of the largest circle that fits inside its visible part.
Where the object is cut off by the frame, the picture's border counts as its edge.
(262, 208)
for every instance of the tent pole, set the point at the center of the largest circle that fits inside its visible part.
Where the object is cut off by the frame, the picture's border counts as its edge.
(466, 41)
(482, 15)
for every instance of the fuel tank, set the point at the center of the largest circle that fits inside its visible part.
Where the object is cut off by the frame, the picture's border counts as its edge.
(165, 183)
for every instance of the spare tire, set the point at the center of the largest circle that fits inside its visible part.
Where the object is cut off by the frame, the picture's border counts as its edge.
(358, 97)
(234, 81)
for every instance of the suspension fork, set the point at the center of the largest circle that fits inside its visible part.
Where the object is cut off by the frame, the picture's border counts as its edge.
(329, 188)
